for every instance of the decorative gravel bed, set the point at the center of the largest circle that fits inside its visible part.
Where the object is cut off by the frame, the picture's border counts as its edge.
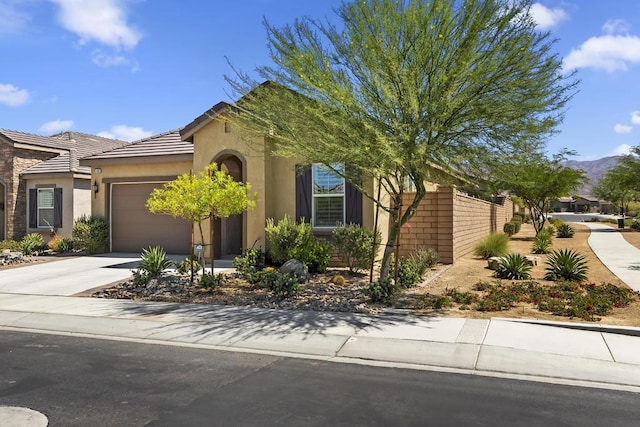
(318, 294)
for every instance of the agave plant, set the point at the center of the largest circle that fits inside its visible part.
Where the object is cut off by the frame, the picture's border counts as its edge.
(513, 267)
(565, 231)
(154, 261)
(566, 264)
(542, 243)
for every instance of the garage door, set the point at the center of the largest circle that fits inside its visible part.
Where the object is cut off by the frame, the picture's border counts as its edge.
(133, 227)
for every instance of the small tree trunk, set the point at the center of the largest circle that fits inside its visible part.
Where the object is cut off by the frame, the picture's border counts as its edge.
(191, 252)
(211, 223)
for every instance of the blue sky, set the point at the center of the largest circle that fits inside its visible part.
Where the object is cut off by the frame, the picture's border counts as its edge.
(132, 68)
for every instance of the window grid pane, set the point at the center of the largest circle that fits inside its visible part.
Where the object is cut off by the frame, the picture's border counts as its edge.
(326, 181)
(45, 198)
(328, 211)
(45, 207)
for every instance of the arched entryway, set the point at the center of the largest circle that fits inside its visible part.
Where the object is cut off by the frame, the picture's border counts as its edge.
(228, 232)
(3, 209)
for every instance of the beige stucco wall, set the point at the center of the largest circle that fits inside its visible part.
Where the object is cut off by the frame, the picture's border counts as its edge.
(212, 141)
(81, 198)
(130, 171)
(67, 185)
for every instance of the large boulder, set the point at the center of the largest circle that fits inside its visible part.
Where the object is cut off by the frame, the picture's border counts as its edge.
(294, 266)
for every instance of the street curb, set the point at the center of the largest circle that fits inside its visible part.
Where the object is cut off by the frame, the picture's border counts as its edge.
(610, 329)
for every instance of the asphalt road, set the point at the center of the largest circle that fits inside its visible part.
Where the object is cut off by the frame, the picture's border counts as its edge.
(84, 382)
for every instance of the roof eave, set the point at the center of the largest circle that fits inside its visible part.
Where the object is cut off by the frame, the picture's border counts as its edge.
(137, 159)
(186, 134)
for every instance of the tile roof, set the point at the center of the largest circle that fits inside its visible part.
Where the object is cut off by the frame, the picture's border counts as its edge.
(72, 144)
(164, 144)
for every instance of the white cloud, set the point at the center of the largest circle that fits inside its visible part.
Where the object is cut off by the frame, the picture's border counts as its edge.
(103, 59)
(11, 19)
(102, 21)
(618, 128)
(545, 17)
(56, 126)
(620, 150)
(635, 117)
(616, 26)
(12, 96)
(126, 133)
(609, 52)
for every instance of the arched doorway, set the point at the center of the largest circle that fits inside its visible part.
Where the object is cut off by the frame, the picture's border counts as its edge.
(228, 232)
(3, 208)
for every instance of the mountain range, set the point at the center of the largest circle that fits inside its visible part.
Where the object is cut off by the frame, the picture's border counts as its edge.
(594, 169)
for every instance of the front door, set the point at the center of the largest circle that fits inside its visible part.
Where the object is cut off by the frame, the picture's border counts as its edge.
(228, 231)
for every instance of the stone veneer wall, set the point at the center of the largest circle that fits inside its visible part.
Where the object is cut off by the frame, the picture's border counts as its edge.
(452, 223)
(14, 161)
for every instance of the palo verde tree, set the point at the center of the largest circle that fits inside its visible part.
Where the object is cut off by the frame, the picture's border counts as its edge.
(620, 185)
(398, 89)
(537, 180)
(209, 194)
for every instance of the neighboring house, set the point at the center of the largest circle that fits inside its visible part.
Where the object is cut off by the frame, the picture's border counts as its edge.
(126, 176)
(563, 204)
(587, 204)
(42, 185)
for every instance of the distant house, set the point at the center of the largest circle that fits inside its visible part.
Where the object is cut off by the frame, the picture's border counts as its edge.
(564, 204)
(42, 185)
(587, 204)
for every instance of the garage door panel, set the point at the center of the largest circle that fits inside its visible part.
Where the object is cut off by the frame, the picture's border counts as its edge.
(133, 227)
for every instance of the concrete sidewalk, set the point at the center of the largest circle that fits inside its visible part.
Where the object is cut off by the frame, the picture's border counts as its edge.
(619, 256)
(592, 355)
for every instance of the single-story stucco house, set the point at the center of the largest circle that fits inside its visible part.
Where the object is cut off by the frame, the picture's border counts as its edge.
(126, 176)
(42, 185)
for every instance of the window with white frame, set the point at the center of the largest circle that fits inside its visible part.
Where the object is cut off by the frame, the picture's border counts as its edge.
(328, 195)
(46, 213)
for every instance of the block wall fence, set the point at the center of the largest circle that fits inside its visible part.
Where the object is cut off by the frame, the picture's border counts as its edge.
(452, 223)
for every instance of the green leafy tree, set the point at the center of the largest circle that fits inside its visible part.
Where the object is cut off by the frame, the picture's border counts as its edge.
(537, 181)
(620, 184)
(405, 92)
(209, 194)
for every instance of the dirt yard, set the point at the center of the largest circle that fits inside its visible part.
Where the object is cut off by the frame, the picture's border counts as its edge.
(465, 273)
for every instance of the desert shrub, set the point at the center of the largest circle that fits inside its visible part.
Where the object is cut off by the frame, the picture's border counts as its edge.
(251, 261)
(556, 222)
(282, 285)
(66, 245)
(458, 297)
(517, 221)
(31, 243)
(408, 273)
(154, 261)
(382, 291)
(513, 267)
(355, 245)
(423, 259)
(635, 225)
(139, 277)
(91, 234)
(338, 280)
(565, 231)
(493, 245)
(542, 242)
(211, 281)
(12, 245)
(287, 240)
(520, 215)
(184, 266)
(436, 302)
(509, 228)
(566, 264)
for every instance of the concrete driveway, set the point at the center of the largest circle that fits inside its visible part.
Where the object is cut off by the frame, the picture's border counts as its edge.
(68, 276)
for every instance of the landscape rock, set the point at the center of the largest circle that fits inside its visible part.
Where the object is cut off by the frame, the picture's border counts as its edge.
(293, 266)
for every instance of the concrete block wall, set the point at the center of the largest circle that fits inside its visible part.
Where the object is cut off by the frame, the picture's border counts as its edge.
(451, 223)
